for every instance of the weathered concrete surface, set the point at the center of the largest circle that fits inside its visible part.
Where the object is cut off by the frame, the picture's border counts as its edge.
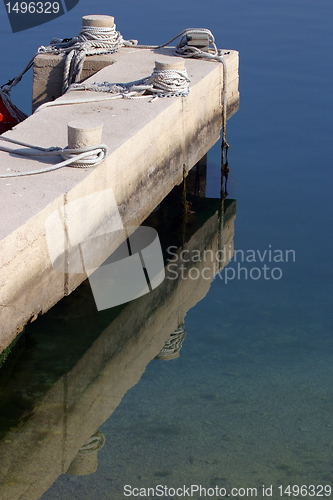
(33, 455)
(150, 144)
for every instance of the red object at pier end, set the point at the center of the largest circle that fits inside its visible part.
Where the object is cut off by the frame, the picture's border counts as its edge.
(9, 116)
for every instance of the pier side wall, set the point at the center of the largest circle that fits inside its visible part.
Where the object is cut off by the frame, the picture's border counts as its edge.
(151, 145)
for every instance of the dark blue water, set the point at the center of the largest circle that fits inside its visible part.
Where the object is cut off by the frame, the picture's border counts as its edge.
(249, 402)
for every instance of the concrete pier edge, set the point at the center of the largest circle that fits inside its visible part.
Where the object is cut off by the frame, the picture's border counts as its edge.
(150, 144)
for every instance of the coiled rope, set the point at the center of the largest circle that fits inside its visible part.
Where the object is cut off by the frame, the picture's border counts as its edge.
(90, 41)
(101, 40)
(164, 83)
(86, 157)
(161, 83)
(170, 82)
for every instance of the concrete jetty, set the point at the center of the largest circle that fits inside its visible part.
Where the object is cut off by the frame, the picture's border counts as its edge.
(81, 400)
(152, 145)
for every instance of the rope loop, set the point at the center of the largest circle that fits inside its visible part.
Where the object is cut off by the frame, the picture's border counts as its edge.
(90, 41)
(95, 157)
(186, 50)
(171, 81)
(86, 157)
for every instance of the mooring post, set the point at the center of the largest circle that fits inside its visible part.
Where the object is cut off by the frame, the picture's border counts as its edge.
(83, 133)
(98, 21)
(166, 65)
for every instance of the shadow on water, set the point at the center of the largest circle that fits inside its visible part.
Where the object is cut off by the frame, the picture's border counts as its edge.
(72, 367)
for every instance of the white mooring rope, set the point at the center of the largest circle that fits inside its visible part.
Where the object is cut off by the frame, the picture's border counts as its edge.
(18, 115)
(90, 41)
(98, 40)
(183, 49)
(5, 94)
(87, 157)
(161, 83)
(170, 82)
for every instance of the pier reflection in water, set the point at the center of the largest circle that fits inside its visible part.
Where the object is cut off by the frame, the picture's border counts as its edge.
(77, 364)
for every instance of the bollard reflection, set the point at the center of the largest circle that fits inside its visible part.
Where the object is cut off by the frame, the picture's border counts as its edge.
(86, 461)
(172, 346)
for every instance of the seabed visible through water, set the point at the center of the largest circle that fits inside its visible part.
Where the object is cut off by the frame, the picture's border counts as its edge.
(241, 407)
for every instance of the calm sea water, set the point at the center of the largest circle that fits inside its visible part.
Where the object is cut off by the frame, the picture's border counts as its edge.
(249, 402)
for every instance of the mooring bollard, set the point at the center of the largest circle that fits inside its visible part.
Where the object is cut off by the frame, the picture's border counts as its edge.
(164, 65)
(198, 40)
(98, 21)
(84, 133)
(85, 136)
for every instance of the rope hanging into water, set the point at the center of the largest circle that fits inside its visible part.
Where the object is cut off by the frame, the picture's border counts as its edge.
(90, 41)
(183, 49)
(18, 115)
(86, 157)
(14, 112)
(101, 40)
(162, 83)
(8, 86)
